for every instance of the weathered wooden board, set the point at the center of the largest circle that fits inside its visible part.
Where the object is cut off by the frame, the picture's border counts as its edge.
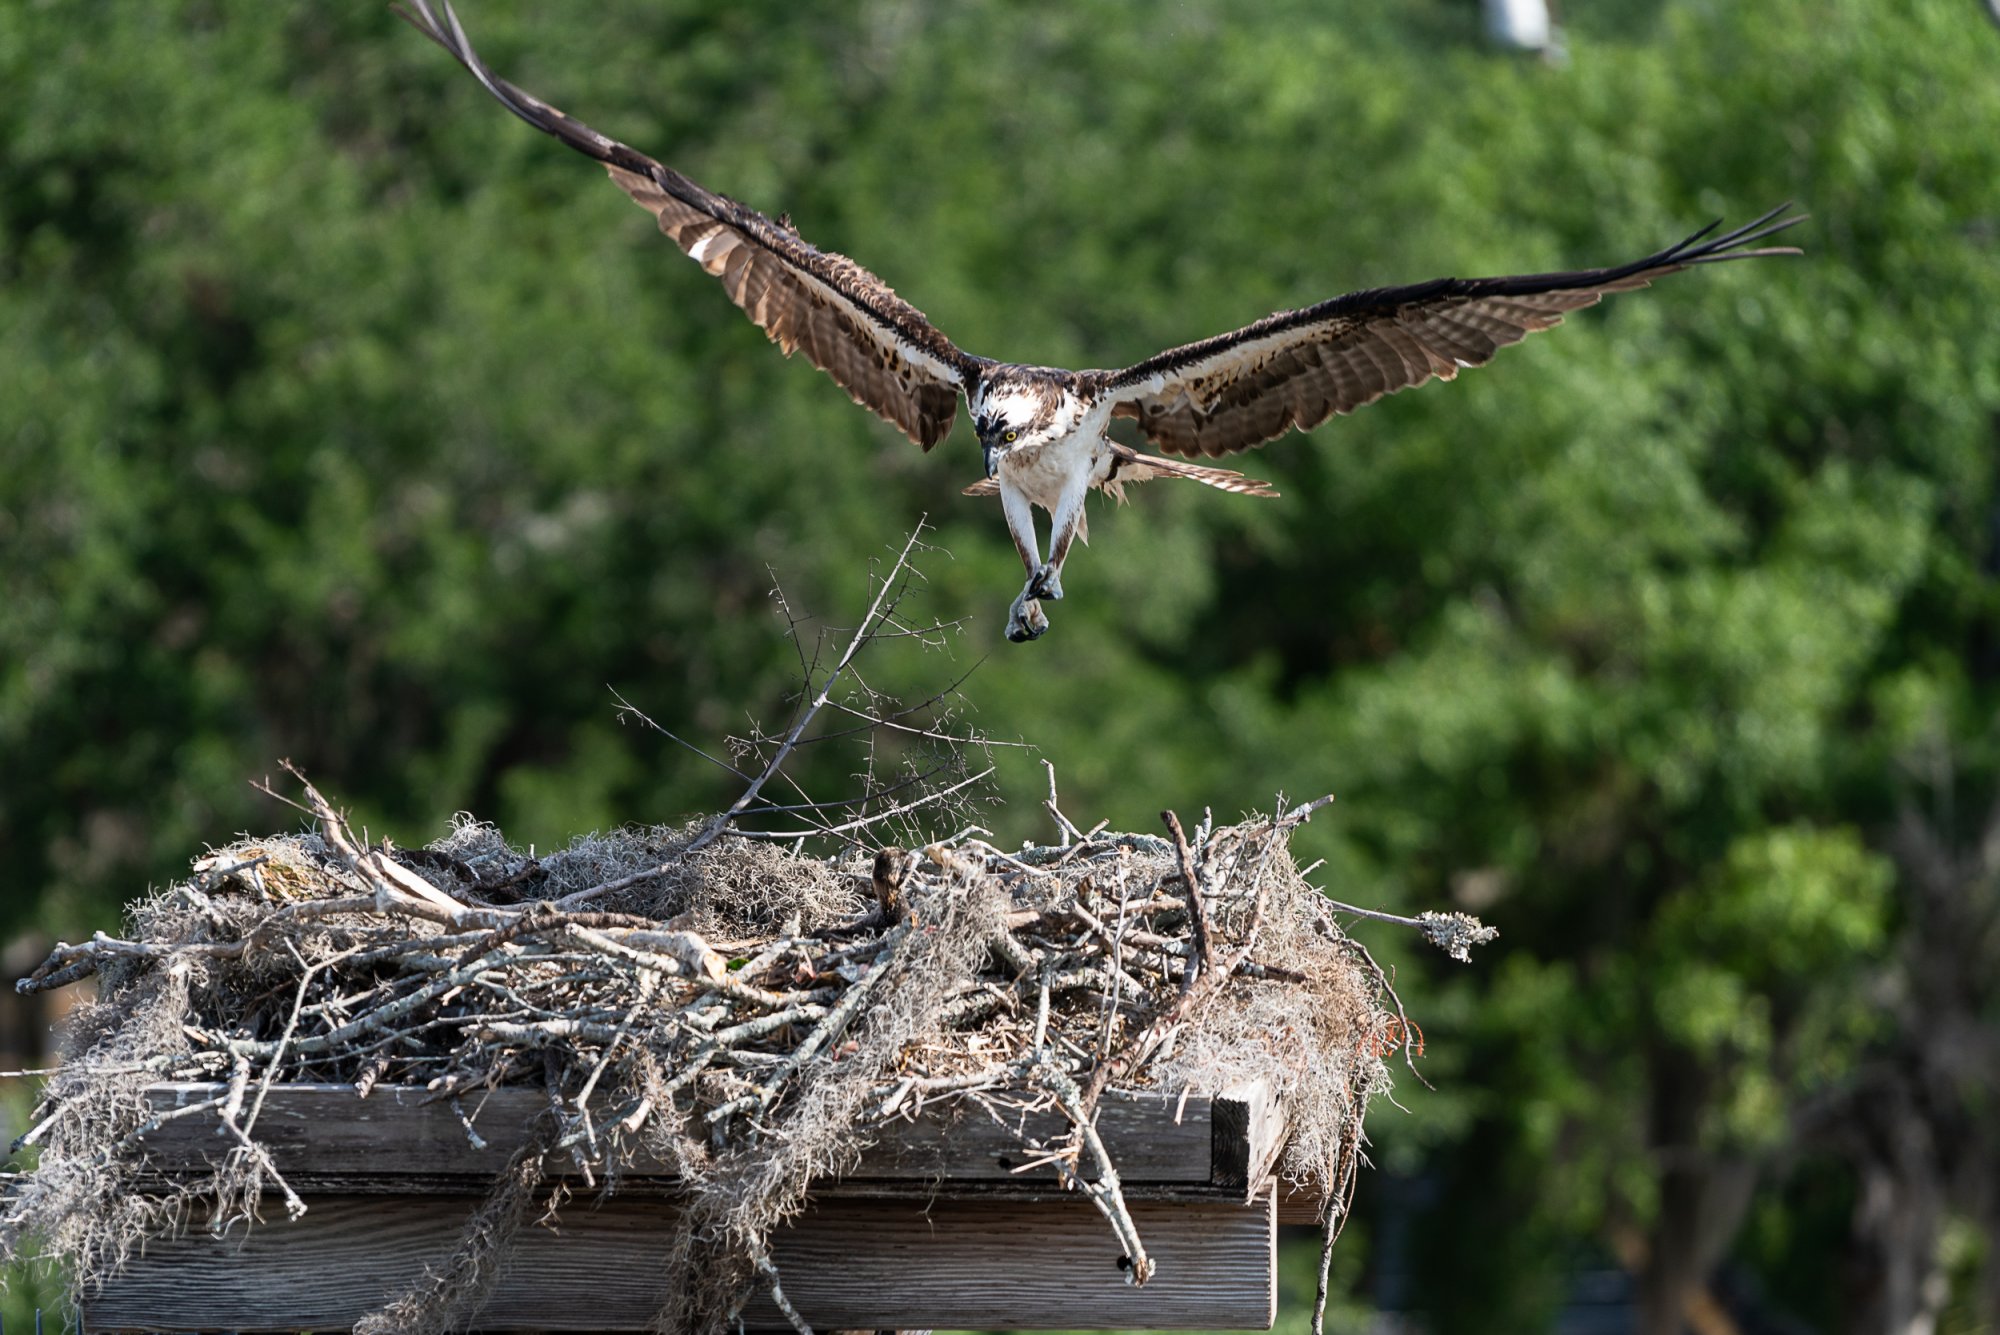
(325, 1136)
(859, 1264)
(1297, 1205)
(1247, 1129)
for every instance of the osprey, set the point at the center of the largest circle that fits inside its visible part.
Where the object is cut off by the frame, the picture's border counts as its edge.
(1042, 430)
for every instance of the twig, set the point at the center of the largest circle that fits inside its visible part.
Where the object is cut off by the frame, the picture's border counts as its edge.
(306, 973)
(1299, 815)
(762, 1260)
(1064, 826)
(138, 1135)
(1105, 1192)
(1204, 930)
(1339, 1208)
(863, 822)
(472, 1136)
(868, 625)
(1389, 988)
(828, 1029)
(68, 963)
(1113, 997)
(647, 981)
(1041, 1038)
(612, 887)
(626, 707)
(1453, 933)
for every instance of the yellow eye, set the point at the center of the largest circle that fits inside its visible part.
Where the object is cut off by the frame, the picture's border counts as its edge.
(1009, 437)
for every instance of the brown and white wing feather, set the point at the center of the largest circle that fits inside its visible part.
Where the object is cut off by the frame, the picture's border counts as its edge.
(849, 323)
(1295, 369)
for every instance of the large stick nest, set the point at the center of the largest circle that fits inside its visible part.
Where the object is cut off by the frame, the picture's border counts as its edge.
(748, 1014)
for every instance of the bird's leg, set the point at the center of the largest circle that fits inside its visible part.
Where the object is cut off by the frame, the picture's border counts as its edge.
(1025, 619)
(1021, 527)
(1064, 524)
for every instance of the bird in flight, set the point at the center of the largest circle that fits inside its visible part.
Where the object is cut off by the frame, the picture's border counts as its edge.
(1042, 429)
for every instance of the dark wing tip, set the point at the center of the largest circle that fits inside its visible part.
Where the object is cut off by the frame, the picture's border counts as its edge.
(450, 34)
(1736, 245)
(1700, 248)
(418, 14)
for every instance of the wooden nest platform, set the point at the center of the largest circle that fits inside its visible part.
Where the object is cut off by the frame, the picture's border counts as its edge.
(662, 1082)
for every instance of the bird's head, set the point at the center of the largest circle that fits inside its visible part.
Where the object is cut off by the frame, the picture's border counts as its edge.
(998, 436)
(1012, 417)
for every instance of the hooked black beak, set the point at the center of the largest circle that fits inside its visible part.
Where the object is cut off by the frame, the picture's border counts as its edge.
(992, 460)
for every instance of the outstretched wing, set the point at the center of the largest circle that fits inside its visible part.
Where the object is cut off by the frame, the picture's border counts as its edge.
(1298, 368)
(876, 346)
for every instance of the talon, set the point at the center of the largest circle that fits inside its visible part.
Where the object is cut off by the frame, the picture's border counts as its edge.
(1046, 583)
(1027, 621)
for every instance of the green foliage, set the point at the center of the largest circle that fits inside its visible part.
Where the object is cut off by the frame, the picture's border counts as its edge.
(1760, 972)
(347, 421)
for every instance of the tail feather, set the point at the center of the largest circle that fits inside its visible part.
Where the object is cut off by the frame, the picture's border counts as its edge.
(1132, 466)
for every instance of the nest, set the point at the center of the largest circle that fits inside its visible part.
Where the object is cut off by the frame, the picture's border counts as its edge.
(748, 1014)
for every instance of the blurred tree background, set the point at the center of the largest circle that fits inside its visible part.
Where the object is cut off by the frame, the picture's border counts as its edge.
(345, 420)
